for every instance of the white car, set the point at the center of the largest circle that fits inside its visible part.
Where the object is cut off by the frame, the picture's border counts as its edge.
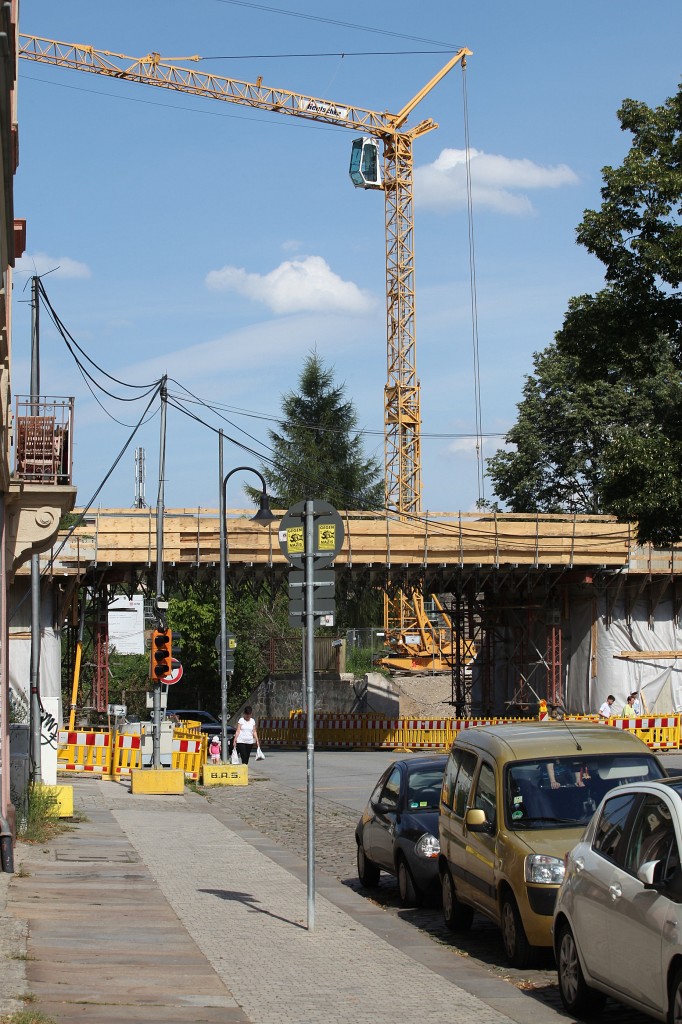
(618, 917)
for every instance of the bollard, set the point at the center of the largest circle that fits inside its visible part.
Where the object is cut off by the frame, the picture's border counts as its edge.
(6, 846)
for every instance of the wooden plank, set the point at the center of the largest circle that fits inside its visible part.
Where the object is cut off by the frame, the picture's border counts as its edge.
(648, 655)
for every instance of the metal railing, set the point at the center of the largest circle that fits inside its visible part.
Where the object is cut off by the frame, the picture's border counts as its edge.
(43, 440)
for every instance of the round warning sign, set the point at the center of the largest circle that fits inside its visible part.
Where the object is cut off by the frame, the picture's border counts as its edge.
(328, 533)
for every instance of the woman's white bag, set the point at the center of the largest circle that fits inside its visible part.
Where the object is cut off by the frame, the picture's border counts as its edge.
(260, 756)
(234, 757)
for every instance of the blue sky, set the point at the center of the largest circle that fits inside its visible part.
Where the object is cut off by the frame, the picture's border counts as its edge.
(220, 244)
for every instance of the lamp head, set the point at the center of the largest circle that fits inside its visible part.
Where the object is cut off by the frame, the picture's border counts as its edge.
(263, 515)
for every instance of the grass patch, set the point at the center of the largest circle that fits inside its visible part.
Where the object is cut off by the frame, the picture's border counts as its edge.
(26, 1017)
(360, 660)
(42, 818)
(195, 787)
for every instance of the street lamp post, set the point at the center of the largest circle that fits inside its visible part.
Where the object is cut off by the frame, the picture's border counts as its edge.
(263, 515)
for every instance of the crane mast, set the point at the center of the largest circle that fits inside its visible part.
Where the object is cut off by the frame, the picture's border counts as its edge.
(402, 418)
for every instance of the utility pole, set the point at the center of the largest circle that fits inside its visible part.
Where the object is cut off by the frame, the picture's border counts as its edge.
(34, 711)
(161, 603)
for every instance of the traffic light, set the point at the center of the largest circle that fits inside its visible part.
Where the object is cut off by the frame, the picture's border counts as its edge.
(161, 655)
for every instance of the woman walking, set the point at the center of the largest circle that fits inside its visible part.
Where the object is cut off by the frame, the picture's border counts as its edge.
(246, 737)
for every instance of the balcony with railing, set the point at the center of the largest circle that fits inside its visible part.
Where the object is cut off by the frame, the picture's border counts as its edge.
(43, 440)
(41, 488)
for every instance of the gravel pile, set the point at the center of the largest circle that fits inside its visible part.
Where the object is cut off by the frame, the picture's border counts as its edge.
(427, 696)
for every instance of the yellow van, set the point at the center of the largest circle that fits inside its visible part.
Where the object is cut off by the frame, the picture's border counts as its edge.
(515, 800)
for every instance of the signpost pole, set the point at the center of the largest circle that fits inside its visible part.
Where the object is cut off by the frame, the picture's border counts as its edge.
(310, 536)
(310, 708)
(161, 604)
(223, 608)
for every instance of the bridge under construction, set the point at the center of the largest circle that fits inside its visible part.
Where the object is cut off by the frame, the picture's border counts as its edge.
(533, 607)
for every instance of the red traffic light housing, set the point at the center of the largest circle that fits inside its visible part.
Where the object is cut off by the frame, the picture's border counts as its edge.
(161, 654)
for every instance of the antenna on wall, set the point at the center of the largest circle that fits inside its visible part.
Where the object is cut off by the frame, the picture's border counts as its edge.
(140, 474)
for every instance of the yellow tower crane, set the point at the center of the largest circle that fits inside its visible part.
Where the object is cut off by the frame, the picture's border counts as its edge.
(414, 645)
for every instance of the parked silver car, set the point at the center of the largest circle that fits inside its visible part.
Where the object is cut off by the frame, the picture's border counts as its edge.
(618, 916)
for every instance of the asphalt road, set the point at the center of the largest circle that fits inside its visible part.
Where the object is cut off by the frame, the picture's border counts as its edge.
(275, 803)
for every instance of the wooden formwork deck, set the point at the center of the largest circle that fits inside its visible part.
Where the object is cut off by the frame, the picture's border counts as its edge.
(191, 538)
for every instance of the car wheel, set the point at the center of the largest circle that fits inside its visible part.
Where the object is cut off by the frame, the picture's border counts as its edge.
(516, 946)
(576, 995)
(368, 872)
(409, 894)
(458, 917)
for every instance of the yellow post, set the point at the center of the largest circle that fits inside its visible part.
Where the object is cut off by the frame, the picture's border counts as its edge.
(74, 687)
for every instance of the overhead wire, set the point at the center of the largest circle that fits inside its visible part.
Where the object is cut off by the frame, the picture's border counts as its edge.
(480, 465)
(213, 409)
(330, 53)
(365, 431)
(334, 21)
(89, 380)
(84, 511)
(66, 334)
(392, 513)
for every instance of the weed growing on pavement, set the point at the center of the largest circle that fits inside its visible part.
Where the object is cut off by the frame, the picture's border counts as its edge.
(26, 1017)
(23, 872)
(42, 821)
(195, 787)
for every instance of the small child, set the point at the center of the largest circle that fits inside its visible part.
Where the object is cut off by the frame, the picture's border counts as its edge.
(214, 749)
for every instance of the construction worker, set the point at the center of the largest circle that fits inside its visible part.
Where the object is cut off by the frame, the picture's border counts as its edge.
(629, 707)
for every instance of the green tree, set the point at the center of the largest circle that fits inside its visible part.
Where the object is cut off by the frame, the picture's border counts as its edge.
(318, 453)
(598, 428)
(258, 621)
(637, 233)
(129, 681)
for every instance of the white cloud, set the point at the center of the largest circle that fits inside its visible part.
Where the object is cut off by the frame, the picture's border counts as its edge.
(62, 266)
(295, 286)
(442, 184)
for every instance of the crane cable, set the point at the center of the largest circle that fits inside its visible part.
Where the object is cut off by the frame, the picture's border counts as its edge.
(474, 301)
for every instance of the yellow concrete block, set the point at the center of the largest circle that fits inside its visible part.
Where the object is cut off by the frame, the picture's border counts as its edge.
(225, 775)
(157, 781)
(64, 798)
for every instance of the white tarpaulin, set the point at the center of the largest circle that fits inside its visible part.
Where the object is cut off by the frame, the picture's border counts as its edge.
(633, 628)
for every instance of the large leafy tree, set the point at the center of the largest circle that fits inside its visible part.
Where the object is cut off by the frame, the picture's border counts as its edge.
(318, 452)
(257, 620)
(599, 426)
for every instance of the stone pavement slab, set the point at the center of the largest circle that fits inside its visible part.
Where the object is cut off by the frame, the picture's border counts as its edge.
(103, 944)
(171, 910)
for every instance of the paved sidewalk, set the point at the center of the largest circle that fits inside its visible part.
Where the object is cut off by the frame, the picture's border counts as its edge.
(166, 909)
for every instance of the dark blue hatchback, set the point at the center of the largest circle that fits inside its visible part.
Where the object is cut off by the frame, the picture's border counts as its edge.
(398, 830)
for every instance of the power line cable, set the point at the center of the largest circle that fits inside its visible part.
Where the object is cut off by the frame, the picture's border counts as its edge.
(207, 405)
(84, 511)
(480, 465)
(65, 333)
(334, 21)
(338, 53)
(365, 431)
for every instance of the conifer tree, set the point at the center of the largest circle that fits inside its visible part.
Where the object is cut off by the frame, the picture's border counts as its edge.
(318, 452)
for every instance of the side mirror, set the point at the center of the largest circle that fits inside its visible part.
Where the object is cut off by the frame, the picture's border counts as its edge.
(476, 821)
(649, 874)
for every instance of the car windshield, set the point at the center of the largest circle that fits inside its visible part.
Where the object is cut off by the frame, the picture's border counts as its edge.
(423, 789)
(565, 791)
